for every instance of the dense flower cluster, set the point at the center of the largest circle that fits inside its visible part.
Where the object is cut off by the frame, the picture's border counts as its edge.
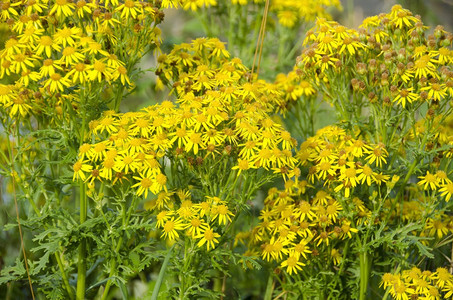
(219, 117)
(202, 221)
(337, 160)
(418, 284)
(56, 48)
(388, 60)
(300, 223)
(310, 215)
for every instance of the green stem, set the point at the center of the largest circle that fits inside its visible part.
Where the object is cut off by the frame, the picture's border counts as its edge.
(269, 287)
(364, 274)
(162, 274)
(64, 276)
(82, 266)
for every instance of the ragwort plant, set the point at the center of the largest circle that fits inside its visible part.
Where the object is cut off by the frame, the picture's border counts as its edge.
(385, 172)
(61, 66)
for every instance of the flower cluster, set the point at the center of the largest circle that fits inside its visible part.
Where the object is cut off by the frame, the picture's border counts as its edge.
(388, 60)
(335, 159)
(310, 215)
(201, 221)
(300, 224)
(218, 116)
(293, 87)
(55, 48)
(418, 284)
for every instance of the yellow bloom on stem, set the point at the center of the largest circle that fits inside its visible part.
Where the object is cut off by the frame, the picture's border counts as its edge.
(170, 228)
(130, 8)
(222, 213)
(18, 106)
(429, 181)
(99, 71)
(196, 226)
(80, 168)
(406, 95)
(446, 191)
(62, 8)
(292, 263)
(208, 237)
(143, 185)
(57, 83)
(436, 227)
(377, 155)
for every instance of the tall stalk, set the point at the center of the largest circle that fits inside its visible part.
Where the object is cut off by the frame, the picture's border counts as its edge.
(81, 264)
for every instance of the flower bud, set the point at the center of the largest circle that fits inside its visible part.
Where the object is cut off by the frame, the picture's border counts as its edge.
(361, 68)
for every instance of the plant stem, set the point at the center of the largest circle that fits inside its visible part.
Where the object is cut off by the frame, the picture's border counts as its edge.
(64, 276)
(364, 274)
(269, 287)
(162, 274)
(82, 266)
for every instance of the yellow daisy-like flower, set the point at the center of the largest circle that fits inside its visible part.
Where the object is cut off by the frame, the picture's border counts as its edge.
(143, 185)
(208, 237)
(406, 95)
(57, 83)
(292, 263)
(80, 168)
(429, 181)
(377, 155)
(46, 45)
(446, 191)
(18, 106)
(222, 213)
(99, 71)
(62, 8)
(130, 8)
(171, 227)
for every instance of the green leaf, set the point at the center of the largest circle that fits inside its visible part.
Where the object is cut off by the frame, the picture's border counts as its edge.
(123, 288)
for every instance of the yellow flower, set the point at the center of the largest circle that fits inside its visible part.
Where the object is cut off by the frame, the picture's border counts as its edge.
(126, 162)
(400, 291)
(446, 191)
(80, 168)
(170, 228)
(57, 83)
(429, 180)
(196, 226)
(130, 8)
(292, 263)
(21, 62)
(144, 185)
(62, 7)
(71, 56)
(287, 18)
(121, 73)
(436, 227)
(18, 106)
(208, 237)
(222, 213)
(66, 36)
(436, 91)
(242, 165)
(194, 143)
(78, 73)
(99, 71)
(378, 155)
